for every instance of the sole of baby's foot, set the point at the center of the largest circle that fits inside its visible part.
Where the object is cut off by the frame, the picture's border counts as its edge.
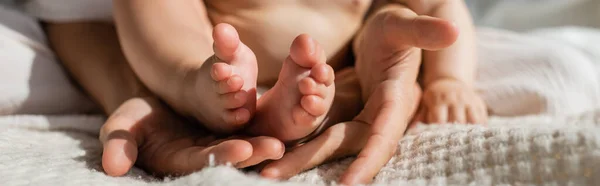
(223, 95)
(300, 100)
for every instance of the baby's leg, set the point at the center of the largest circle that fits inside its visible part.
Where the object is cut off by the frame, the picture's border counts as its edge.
(224, 88)
(167, 44)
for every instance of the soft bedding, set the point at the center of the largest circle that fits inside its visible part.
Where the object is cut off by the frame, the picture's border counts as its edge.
(543, 88)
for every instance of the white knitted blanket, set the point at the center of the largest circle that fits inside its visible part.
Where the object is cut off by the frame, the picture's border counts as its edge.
(551, 75)
(63, 150)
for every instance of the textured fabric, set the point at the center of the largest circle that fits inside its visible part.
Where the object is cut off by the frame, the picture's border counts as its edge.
(525, 15)
(64, 150)
(549, 73)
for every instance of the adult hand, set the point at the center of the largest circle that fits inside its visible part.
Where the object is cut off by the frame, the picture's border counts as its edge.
(145, 132)
(388, 61)
(346, 139)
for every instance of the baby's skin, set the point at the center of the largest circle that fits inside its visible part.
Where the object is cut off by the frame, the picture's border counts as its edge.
(207, 58)
(290, 110)
(211, 69)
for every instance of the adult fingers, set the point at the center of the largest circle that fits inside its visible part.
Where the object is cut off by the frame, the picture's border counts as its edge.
(264, 148)
(119, 138)
(185, 160)
(339, 140)
(119, 151)
(420, 117)
(404, 27)
(421, 111)
(387, 128)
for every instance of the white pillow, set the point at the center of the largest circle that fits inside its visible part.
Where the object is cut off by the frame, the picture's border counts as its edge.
(32, 81)
(526, 15)
(69, 10)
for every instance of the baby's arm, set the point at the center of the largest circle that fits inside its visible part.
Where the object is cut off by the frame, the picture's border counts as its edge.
(457, 61)
(163, 41)
(448, 75)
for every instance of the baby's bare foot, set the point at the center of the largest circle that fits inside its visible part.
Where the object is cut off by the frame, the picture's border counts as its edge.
(301, 98)
(223, 96)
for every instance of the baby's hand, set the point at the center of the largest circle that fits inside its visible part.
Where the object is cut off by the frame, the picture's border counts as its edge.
(451, 101)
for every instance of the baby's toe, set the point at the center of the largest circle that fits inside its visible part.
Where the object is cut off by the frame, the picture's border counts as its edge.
(308, 86)
(226, 41)
(234, 99)
(268, 147)
(221, 71)
(237, 117)
(229, 85)
(301, 116)
(323, 73)
(314, 105)
(307, 52)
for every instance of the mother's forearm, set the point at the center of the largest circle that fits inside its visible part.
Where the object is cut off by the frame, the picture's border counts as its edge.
(91, 53)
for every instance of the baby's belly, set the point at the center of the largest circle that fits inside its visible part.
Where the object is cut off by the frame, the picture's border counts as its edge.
(269, 29)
